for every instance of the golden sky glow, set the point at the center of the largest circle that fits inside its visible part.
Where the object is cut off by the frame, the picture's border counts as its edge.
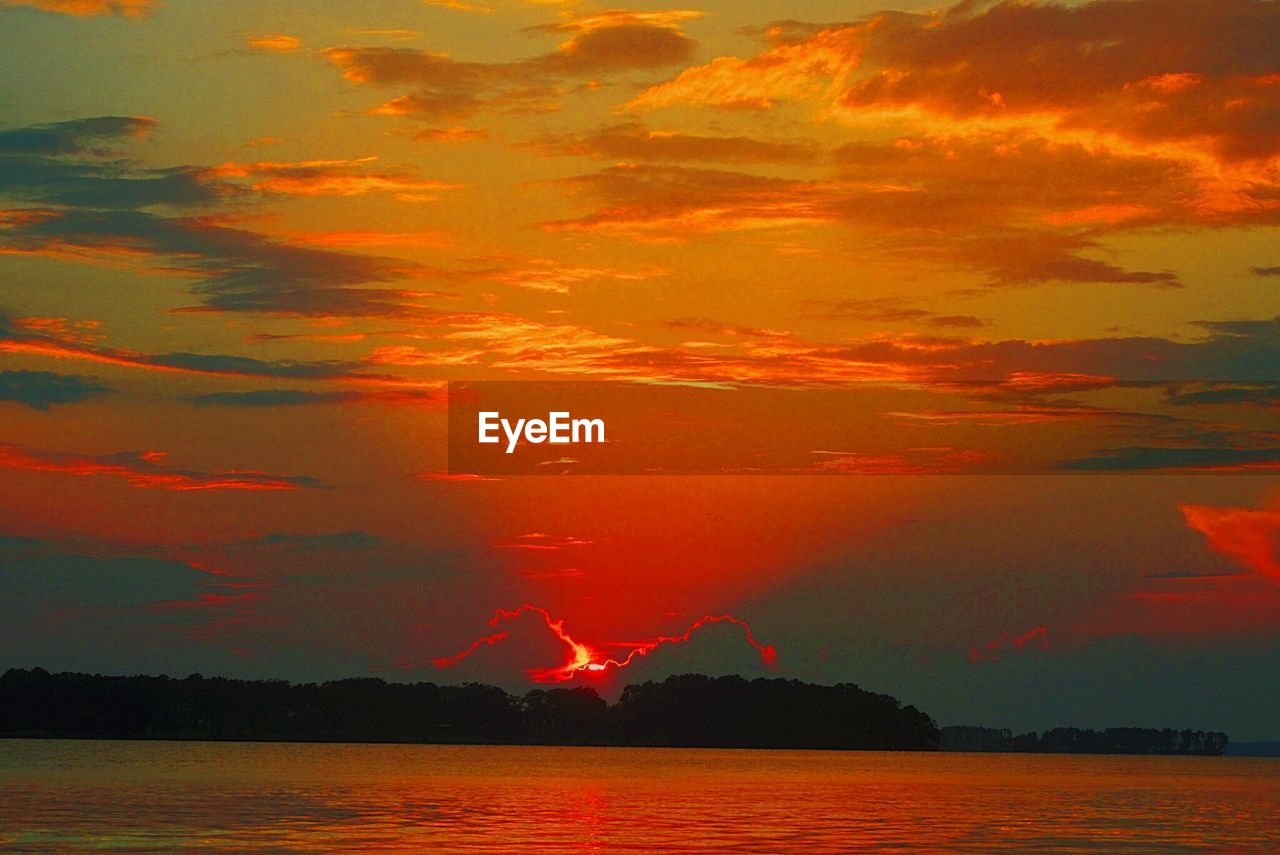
(243, 246)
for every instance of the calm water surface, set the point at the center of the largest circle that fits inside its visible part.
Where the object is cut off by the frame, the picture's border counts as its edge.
(168, 796)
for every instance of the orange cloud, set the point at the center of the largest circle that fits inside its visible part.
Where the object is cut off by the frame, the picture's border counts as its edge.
(62, 329)
(990, 202)
(668, 202)
(892, 310)
(1126, 70)
(459, 6)
(453, 477)
(89, 8)
(812, 68)
(453, 135)
(275, 43)
(1009, 371)
(670, 19)
(328, 178)
(409, 356)
(546, 274)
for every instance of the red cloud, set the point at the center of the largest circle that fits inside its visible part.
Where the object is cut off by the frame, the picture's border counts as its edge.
(1249, 537)
(992, 650)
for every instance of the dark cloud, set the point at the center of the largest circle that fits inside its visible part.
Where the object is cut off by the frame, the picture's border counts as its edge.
(1265, 271)
(73, 137)
(1143, 458)
(617, 48)
(13, 340)
(448, 88)
(891, 310)
(319, 605)
(1192, 574)
(49, 577)
(238, 270)
(16, 339)
(1247, 351)
(338, 540)
(244, 366)
(65, 164)
(43, 389)
(300, 397)
(98, 610)
(83, 206)
(957, 321)
(147, 469)
(1260, 395)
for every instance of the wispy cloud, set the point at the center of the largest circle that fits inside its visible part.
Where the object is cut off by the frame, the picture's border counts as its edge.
(147, 469)
(89, 8)
(633, 141)
(299, 397)
(275, 43)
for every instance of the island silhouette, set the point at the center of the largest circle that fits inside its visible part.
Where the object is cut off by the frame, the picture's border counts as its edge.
(688, 710)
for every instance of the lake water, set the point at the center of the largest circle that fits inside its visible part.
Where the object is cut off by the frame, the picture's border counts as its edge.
(58, 795)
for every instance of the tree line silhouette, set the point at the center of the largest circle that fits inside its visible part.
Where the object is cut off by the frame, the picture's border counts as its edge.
(690, 710)
(686, 710)
(1074, 740)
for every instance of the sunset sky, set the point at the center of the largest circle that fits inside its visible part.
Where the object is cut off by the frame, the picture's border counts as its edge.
(244, 246)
